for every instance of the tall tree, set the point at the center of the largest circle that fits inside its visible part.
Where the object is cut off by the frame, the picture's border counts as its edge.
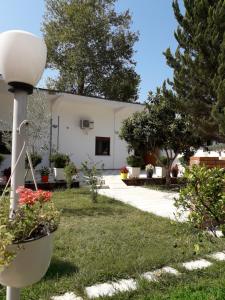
(92, 47)
(199, 64)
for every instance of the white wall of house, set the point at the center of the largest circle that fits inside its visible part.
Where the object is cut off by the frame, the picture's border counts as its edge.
(80, 143)
(69, 138)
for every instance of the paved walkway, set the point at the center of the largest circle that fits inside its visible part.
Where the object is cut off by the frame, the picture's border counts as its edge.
(156, 202)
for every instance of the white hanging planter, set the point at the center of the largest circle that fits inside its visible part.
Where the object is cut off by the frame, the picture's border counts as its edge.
(59, 174)
(30, 264)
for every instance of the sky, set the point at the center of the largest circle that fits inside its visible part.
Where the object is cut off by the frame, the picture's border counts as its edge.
(153, 19)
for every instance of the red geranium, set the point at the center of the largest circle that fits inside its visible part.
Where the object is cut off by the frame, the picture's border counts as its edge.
(29, 197)
(124, 170)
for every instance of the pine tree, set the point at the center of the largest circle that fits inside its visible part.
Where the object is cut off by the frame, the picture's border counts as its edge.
(199, 64)
(91, 46)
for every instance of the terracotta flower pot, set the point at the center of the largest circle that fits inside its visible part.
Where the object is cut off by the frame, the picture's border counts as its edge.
(44, 178)
(30, 263)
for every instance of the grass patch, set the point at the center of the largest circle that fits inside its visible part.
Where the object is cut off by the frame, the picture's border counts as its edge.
(110, 240)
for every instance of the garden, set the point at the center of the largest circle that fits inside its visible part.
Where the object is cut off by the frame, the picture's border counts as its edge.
(98, 239)
(108, 240)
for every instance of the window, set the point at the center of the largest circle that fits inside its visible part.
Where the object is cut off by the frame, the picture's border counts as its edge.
(102, 145)
(5, 142)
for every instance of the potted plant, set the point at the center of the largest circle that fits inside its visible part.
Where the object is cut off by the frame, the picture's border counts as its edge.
(175, 170)
(1, 159)
(70, 171)
(26, 238)
(59, 161)
(7, 173)
(123, 173)
(36, 159)
(44, 171)
(149, 170)
(135, 163)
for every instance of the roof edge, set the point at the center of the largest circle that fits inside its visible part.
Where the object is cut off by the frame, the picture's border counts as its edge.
(69, 93)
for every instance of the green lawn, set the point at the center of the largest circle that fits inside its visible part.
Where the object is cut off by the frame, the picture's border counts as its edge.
(110, 240)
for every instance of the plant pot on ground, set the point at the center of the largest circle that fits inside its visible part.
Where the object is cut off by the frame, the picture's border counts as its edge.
(70, 172)
(26, 238)
(123, 173)
(59, 161)
(135, 162)
(149, 170)
(44, 172)
(175, 171)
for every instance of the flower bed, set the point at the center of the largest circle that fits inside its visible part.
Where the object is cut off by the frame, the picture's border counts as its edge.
(149, 181)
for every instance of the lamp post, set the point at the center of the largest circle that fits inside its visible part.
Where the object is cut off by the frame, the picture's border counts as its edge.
(22, 62)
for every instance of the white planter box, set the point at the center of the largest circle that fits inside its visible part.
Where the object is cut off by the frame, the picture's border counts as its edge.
(133, 172)
(30, 264)
(29, 175)
(160, 172)
(59, 174)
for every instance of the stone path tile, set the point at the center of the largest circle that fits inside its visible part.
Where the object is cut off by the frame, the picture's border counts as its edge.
(123, 285)
(154, 275)
(220, 256)
(66, 296)
(170, 270)
(196, 264)
(109, 289)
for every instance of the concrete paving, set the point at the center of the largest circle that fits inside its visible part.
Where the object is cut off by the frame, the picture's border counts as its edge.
(156, 202)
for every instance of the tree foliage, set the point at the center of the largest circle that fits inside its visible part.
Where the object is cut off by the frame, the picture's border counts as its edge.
(160, 126)
(91, 46)
(199, 64)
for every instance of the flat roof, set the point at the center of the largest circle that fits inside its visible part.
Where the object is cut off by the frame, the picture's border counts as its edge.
(91, 97)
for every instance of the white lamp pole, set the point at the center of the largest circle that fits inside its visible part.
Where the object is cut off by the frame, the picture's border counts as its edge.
(22, 62)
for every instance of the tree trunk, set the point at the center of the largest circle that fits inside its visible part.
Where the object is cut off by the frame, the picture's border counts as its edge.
(168, 177)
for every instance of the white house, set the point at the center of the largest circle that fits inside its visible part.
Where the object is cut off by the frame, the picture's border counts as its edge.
(82, 126)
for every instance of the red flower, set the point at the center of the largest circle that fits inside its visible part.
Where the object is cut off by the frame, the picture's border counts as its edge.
(124, 170)
(29, 197)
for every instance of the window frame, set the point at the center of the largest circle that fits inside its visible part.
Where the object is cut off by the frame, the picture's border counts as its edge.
(102, 139)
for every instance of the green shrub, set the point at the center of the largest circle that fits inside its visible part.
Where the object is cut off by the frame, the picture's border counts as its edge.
(59, 160)
(44, 171)
(70, 170)
(1, 159)
(135, 161)
(93, 177)
(204, 197)
(35, 158)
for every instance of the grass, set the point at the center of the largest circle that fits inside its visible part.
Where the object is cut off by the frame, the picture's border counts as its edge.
(110, 240)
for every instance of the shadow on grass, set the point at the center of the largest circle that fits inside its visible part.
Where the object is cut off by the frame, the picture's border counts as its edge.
(59, 268)
(92, 211)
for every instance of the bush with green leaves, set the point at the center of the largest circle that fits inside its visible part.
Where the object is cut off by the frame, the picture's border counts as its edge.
(59, 160)
(135, 161)
(204, 197)
(1, 159)
(93, 176)
(70, 170)
(44, 171)
(36, 159)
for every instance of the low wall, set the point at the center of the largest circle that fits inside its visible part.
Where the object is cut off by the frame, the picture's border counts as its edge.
(210, 162)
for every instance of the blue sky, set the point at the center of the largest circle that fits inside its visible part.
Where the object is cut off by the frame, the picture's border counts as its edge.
(153, 19)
